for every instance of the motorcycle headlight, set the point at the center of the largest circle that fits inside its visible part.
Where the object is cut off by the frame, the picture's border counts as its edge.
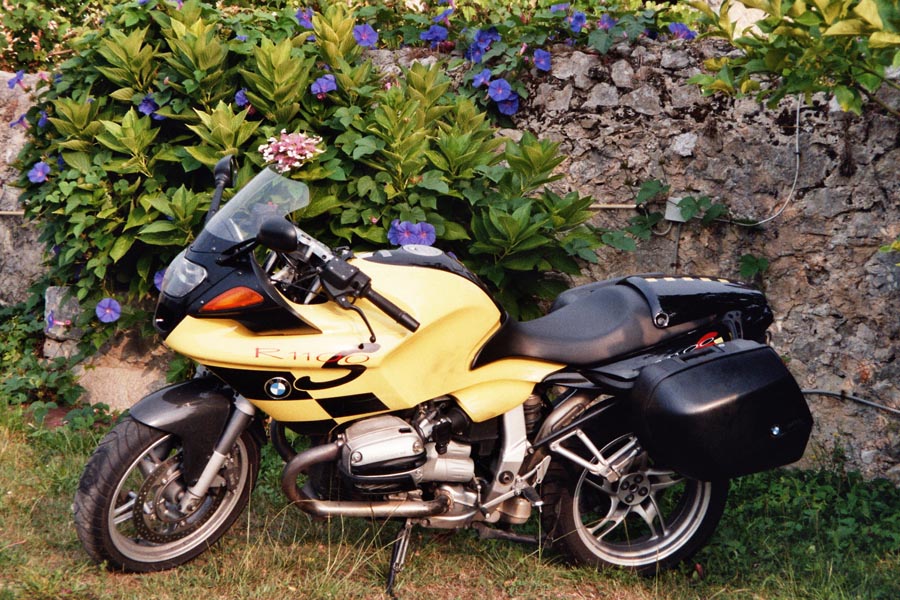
(182, 277)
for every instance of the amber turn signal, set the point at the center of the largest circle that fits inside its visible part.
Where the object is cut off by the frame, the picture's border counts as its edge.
(233, 299)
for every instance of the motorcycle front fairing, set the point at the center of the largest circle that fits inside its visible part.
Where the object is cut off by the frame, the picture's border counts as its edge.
(313, 363)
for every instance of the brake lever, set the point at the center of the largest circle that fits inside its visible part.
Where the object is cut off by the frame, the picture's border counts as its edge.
(347, 305)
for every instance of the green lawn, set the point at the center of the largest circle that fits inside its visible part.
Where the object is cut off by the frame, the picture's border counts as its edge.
(786, 534)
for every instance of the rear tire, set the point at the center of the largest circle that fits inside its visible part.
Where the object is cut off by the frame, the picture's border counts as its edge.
(126, 506)
(648, 520)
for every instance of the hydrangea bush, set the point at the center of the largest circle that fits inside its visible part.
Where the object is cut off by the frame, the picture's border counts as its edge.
(123, 138)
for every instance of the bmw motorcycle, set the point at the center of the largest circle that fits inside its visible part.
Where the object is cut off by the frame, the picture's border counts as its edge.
(620, 415)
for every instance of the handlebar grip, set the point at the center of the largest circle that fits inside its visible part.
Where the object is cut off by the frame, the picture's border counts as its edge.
(392, 310)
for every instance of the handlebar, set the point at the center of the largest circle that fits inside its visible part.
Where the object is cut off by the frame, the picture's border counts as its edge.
(340, 279)
(391, 309)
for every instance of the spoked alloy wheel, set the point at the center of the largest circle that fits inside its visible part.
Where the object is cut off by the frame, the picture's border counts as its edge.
(127, 508)
(650, 519)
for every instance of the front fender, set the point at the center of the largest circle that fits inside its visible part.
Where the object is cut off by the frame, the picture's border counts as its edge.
(195, 411)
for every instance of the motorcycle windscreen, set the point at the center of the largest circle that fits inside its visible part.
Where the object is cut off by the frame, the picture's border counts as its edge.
(721, 412)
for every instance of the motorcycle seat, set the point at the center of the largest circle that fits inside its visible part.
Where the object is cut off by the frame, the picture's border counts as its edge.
(609, 322)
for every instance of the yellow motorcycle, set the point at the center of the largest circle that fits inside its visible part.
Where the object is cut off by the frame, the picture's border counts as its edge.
(621, 414)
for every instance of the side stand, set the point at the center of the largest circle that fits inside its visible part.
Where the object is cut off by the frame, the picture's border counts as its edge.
(398, 555)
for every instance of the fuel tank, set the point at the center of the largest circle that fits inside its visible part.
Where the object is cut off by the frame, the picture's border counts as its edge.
(330, 372)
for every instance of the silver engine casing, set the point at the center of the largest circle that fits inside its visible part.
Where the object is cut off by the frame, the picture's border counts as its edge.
(387, 449)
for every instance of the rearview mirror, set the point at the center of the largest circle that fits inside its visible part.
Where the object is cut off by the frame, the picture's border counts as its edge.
(278, 234)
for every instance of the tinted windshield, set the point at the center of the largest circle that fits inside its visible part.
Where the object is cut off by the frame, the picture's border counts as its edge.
(267, 195)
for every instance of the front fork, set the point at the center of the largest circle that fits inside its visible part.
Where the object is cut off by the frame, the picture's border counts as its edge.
(240, 419)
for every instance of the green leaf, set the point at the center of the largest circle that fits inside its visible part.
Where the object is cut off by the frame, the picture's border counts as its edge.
(121, 246)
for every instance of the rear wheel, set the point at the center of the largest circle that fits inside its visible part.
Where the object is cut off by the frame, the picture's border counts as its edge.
(649, 519)
(127, 507)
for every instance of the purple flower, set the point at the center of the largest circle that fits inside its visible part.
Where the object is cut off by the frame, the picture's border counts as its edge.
(42, 122)
(606, 22)
(39, 172)
(142, 2)
(108, 310)
(19, 122)
(485, 37)
(323, 85)
(365, 36)
(681, 31)
(240, 98)
(444, 16)
(426, 235)
(510, 105)
(434, 34)
(148, 105)
(577, 21)
(304, 17)
(499, 90)
(158, 279)
(474, 54)
(559, 7)
(403, 233)
(241, 38)
(482, 78)
(16, 80)
(542, 60)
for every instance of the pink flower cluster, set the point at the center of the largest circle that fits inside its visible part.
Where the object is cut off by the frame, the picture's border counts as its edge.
(290, 151)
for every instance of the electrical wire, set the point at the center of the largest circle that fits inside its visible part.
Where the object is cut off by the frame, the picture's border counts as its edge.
(845, 396)
(793, 186)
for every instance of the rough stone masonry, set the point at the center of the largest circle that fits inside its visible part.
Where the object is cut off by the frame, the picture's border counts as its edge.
(630, 116)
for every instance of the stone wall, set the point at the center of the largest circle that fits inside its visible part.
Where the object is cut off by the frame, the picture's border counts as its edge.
(20, 255)
(631, 115)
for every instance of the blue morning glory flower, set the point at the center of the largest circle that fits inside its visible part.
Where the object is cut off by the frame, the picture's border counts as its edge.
(323, 85)
(482, 78)
(682, 31)
(559, 7)
(240, 98)
(444, 16)
(304, 17)
(20, 121)
(485, 37)
(39, 172)
(577, 21)
(499, 90)
(16, 79)
(606, 22)
(148, 105)
(426, 235)
(542, 60)
(474, 54)
(434, 34)
(510, 105)
(241, 38)
(365, 36)
(402, 233)
(108, 310)
(42, 122)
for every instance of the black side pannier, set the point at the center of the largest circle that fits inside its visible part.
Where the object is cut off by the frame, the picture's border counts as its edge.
(721, 412)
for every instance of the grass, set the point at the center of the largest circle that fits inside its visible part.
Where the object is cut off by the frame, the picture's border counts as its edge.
(786, 534)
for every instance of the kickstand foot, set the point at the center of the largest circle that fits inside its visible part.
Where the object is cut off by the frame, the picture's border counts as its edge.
(398, 555)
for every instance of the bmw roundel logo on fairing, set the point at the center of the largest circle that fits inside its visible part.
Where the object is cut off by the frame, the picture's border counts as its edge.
(278, 387)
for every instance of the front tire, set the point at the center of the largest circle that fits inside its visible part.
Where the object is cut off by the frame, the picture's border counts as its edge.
(127, 504)
(648, 520)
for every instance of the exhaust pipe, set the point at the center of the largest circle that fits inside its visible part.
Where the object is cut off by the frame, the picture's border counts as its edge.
(402, 509)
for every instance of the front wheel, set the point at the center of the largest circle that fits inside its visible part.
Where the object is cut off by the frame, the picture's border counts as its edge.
(127, 505)
(648, 520)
